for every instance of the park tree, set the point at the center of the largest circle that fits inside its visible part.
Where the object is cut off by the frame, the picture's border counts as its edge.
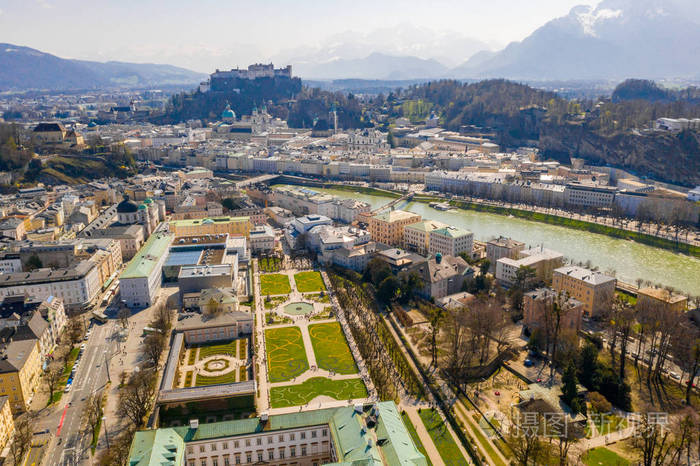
(388, 289)
(568, 388)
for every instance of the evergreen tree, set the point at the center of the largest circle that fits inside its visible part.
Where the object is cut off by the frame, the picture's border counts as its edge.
(568, 388)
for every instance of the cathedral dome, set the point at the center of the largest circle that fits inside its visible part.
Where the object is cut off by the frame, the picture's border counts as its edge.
(126, 206)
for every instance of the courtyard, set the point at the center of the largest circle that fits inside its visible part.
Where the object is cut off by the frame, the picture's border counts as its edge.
(214, 364)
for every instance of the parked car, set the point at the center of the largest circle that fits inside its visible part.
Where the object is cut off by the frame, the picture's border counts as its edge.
(67, 389)
(528, 363)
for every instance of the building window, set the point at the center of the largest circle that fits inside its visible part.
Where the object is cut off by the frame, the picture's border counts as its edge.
(258, 441)
(249, 457)
(303, 435)
(270, 454)
(213, 447)
(292, 452)
(313, 434)
(281, 452)
(303, 451)
(214, 462)
(238, 459)
(260, 457)
(247, 442)
(201, 448)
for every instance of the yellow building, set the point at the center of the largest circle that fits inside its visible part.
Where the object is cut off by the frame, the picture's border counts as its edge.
(20, 368)
(7, 422)
(388, 227)
(593, 289)
(661, 300)
(234, 226)
(416, 236)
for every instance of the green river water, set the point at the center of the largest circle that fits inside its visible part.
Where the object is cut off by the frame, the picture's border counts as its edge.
(628, 259)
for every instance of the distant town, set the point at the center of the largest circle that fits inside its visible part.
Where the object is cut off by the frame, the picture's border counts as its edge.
(239, 290)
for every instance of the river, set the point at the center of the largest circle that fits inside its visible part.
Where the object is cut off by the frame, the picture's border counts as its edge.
(628, 259)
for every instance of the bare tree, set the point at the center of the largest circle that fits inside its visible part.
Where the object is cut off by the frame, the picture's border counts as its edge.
(52, 378)
(22, 441)
(153, 347)
(92, 413)
(123, 316)
(653, 441)
(136, 396)
(118, 453)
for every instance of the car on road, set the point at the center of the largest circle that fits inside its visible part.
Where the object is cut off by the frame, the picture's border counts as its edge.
(82, 347)
(528, 363)
(674, 375)
(67, 389)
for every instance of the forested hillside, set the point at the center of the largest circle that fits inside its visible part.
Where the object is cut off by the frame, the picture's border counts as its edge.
(605, 132)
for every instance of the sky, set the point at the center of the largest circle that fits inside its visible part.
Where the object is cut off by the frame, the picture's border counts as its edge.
(206, 34)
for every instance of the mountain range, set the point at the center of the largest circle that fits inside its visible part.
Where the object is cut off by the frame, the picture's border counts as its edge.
(26, 68)
(614, 40)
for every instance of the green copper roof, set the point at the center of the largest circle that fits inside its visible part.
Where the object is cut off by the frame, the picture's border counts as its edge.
(426, 226)
(200, 221)
(452, 232)
(388, 444)
(162, 447)
(143, 262)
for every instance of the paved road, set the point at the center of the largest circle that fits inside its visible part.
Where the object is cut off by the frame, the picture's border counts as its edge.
(66, 419)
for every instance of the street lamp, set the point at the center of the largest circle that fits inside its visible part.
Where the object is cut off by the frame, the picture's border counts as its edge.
(104, 421)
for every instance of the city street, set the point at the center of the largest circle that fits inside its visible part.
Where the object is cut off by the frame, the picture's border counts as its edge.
(70, 442)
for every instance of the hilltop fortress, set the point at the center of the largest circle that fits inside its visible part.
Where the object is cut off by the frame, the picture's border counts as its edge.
(223, 80)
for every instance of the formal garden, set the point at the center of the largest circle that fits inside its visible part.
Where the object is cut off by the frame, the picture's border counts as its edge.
(286, 356)
(274, 284)
(301, 394)
(331, 348)
(215, 363)
(309, 282)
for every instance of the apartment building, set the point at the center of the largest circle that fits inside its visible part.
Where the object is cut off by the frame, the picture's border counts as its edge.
(20, 368)
(542, 261)
(450, 241)
(7, 422)
(388, 227)
(502, 247)
(588, 195)
(537, 303)
(594, 290)
(416, 236)
(661, 300)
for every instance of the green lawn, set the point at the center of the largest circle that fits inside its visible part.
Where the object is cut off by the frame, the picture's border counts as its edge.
(443, 440)
(297, 395)
(309, 282)
(603, 456)
(485, 445)
(286, 356)
(331, 349)
(229, 349)
(274, 283)
(414, 436)
(202, 380)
